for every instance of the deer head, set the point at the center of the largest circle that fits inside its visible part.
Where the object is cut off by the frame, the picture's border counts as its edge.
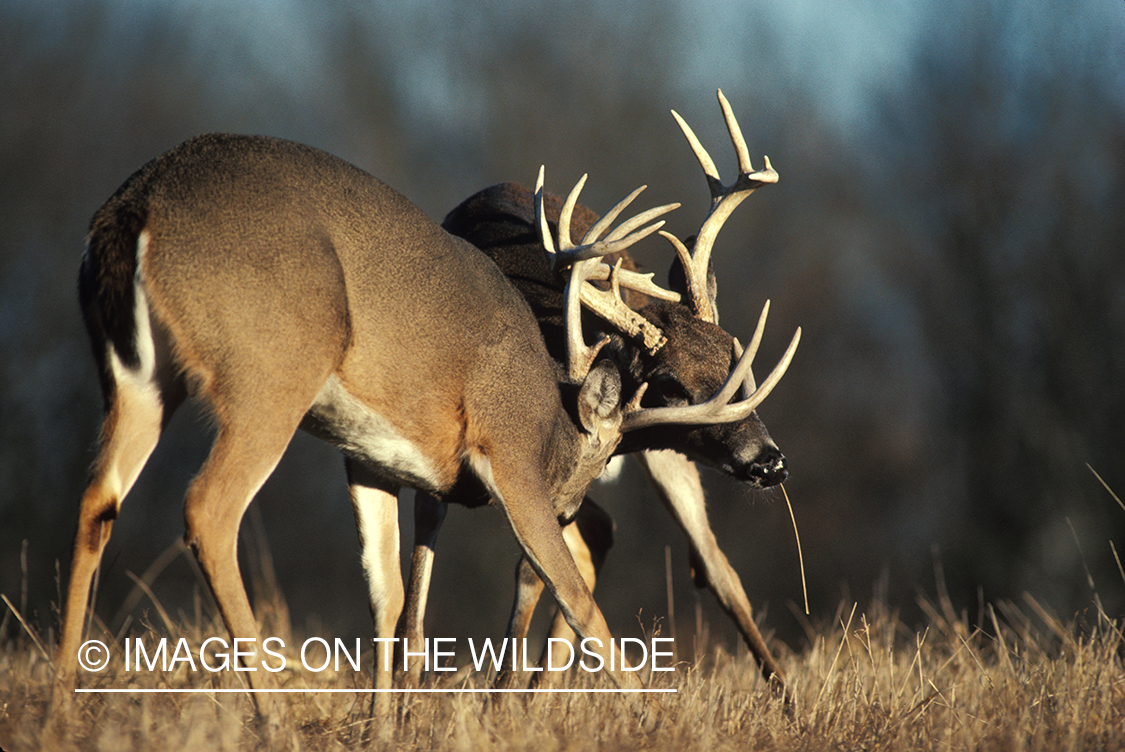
(671, 350)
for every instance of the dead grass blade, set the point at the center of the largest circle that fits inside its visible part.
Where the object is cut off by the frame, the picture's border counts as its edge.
(1049, 619)
(835, 658)
(27, 628)
(156, 603)
(1106, 486)
(153, 571)
(800, 555)
(1118, 560)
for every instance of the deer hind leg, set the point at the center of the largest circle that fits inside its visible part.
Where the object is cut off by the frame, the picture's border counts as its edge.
(375, 504)
(429, 514)
(138, 406)
(251, 438)
(676, 481)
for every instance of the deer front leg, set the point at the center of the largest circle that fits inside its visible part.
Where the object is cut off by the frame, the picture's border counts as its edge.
(589, 536)
(429, 513)
(529, 586)
(527, 578)
(676, 480)
(530, 512)
(375, 504)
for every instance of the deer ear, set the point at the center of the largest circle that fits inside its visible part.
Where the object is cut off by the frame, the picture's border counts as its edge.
(599, 399)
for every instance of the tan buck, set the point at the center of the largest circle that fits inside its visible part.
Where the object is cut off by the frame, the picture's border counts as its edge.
(286, 289)
(676, 348)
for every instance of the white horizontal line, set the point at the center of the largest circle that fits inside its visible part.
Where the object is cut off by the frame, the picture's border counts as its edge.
(111, 690)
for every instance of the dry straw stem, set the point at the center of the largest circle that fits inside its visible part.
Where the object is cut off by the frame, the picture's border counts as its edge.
(1023, 681)
(800, 555)
(1106, 486)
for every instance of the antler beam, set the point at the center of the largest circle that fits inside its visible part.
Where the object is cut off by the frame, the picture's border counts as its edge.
(724, 200)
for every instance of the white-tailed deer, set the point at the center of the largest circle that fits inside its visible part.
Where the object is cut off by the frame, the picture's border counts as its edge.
(286, 289)
(685, 370)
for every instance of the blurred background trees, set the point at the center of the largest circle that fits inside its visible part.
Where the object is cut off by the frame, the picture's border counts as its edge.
(948, 229)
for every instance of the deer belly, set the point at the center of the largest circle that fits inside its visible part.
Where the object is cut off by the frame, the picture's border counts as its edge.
(342, 419)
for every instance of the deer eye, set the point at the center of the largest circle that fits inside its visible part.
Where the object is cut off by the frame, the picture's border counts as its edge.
(671, 392)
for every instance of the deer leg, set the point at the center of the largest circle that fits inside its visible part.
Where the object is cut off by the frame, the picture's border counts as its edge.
(676, 481)
(429, 513)
(249, 443)
(375, 504)
(134, 419)
(589, 536)
(529, 586)
(527, 505)
(560, 630)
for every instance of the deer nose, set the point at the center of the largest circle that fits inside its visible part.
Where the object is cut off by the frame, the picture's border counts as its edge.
(769, 468)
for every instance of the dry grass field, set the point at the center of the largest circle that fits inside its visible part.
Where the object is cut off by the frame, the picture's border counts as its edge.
(1022, 681)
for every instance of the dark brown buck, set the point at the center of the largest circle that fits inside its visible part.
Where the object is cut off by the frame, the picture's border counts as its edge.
(286, 289)
(675, 347)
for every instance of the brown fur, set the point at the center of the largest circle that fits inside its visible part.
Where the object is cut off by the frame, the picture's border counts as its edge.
(286, 288)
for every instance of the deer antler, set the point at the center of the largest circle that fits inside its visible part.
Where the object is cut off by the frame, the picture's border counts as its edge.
(724, 200)
(720, 409)
(590, 247)
(585, 265)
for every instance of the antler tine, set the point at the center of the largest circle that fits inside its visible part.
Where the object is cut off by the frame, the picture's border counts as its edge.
(697, 284)
(580, 357)
(741, 370)
(565, 243)
(719, 409)
(567, 253)
(584, 262)
(628, 228)
(541, 216)
(736, 138)
(748, 385)
(701, 155)
(724, 200)
(607, 219)
(635, 281)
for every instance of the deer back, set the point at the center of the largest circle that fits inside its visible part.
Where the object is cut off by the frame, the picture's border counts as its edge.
(267, 270)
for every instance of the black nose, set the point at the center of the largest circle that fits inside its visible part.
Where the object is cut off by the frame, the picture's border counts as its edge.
(769, 468)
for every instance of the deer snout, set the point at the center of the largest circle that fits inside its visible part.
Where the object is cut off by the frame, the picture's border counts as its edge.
(769, 468)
